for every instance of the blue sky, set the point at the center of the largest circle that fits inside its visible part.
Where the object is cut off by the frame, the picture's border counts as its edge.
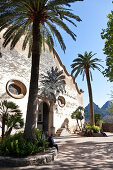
(94, 18)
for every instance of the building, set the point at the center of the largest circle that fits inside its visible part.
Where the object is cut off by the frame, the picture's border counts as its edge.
(54, 107)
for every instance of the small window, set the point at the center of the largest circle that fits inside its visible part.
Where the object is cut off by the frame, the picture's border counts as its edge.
(16, 89)
(61, 101)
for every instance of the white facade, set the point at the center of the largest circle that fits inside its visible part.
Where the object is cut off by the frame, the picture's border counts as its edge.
(15, 65)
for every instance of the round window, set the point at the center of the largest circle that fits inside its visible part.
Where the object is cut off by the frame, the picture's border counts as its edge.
(61, 101)
(16, 89)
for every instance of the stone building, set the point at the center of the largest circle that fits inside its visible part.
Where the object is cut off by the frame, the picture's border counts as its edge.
(54, 108)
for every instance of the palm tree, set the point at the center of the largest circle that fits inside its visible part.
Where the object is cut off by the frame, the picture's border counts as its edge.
(83, 65)
(54, 80)
(78, 115)
(10, 117)
(37, 20)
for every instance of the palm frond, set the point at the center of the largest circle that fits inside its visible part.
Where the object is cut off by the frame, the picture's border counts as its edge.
(85, 62)
(55, 32)
(54, 80)
(59, 22)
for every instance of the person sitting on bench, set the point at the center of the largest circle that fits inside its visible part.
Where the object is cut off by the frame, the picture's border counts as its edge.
(52, 143)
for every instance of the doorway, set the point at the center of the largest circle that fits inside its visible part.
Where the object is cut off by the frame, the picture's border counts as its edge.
(43, 116)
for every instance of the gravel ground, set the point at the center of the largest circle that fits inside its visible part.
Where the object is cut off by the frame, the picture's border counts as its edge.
(77, 152)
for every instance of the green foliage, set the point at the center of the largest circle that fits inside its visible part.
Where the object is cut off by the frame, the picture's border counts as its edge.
(38, 22)
(107, 35)
(18, 17)
(97, 117)
(77, 114)
(85, 62)
(95, 129)
(17, 146)
(10, 117)
(83, 65)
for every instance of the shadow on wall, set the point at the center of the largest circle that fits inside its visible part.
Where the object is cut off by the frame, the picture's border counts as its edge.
(65, 124)
(4, 96)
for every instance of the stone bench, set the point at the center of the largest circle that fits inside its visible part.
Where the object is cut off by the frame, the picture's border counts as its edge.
(39, 159)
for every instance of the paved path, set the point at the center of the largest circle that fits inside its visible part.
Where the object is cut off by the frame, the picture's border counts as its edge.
(80, 153)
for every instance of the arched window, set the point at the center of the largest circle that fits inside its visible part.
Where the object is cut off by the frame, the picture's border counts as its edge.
(61, 101)
(16, 89)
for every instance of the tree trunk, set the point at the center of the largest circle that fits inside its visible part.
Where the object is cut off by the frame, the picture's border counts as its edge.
(90, 97)
(3, 127)
(81, 124)
(29, 132)
(78, 124)
(8, 132)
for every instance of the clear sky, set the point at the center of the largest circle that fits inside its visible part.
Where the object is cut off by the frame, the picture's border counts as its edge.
(94, 18)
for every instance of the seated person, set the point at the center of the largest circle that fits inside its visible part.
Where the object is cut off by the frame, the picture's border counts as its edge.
(86, 132)
(52, 143)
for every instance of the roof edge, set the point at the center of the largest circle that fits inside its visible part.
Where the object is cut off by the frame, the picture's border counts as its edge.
(62, 65)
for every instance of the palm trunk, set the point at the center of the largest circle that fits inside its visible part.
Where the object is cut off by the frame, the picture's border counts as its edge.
(29, 132)
(3, 127)
(81, 124)
(8, 132)
(90, 98)
(78, 124)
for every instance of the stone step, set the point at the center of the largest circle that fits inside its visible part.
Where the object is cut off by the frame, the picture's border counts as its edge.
(62, 132)
(59, 132)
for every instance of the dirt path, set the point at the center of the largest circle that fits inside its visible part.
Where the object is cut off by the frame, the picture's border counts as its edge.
(80, 153)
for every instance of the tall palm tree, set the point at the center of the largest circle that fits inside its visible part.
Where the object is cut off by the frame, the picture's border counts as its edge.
(37, 20)
(83, 65)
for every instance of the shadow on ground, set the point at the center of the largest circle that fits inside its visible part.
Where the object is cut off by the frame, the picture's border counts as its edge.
(81, 153)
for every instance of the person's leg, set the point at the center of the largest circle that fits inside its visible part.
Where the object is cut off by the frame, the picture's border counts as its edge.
(56, 146)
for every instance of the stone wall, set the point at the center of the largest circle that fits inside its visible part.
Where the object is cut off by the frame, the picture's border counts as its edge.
(39, 159)
(107, 127)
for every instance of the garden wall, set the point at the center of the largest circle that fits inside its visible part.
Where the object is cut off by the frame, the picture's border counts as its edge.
(107, 127)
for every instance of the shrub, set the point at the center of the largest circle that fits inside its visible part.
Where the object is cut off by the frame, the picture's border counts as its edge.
(97, 117)
(95, 129)
(17, 146)
(10, 117)
(87, 125)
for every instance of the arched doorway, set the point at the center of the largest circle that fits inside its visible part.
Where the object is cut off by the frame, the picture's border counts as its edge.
(43, 116)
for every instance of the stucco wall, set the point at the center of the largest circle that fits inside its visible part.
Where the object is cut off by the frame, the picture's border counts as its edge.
(16, 65)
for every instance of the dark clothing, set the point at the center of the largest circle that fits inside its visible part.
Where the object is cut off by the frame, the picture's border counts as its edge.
(86, 132)
(52, 143)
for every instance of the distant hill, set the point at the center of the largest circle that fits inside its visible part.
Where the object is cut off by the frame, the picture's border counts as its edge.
(97, 109)
(106, 105)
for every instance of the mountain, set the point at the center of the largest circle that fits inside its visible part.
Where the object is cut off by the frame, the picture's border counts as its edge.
(106, 105)
(97, 109)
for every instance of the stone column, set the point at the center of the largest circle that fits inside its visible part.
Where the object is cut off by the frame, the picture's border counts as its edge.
(51, 117)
